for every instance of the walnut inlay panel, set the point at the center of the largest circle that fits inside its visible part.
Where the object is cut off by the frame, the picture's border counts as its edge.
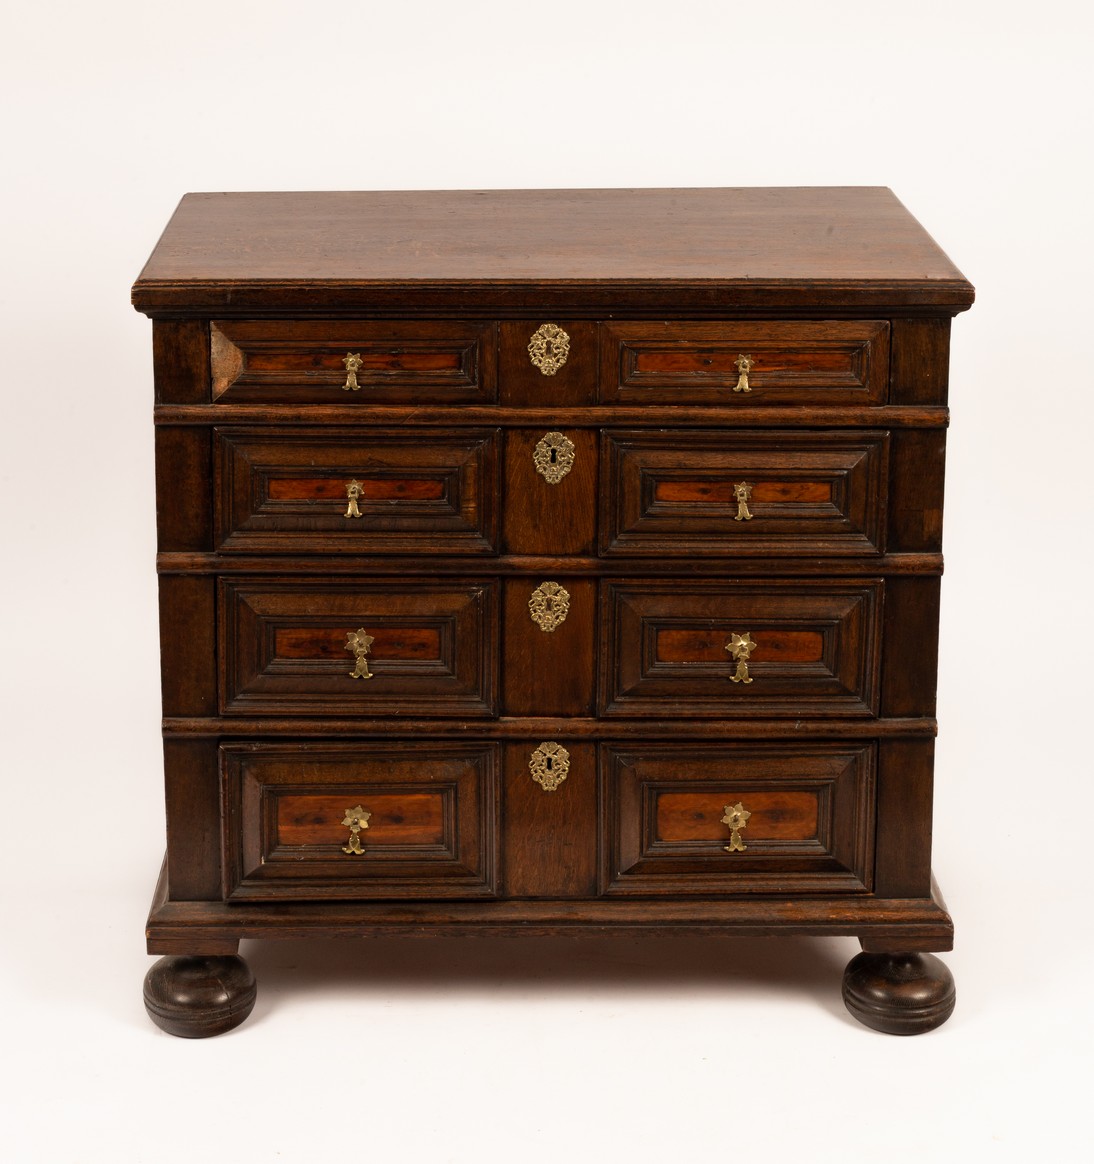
(721, 492)
(334, 489)
(683, 362)
(697, 816)
(388, 643)
(287, 492)
(432, 829)
(398, 818)
(433, 649)
(806, 493)
(704, 646)
(810, 828)
(401, 361)
(817, 647)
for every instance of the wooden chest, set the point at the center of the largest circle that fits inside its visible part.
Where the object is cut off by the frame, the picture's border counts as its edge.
(549, 562)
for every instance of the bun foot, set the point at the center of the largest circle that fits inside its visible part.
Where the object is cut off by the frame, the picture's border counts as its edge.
(899, 994)
(195, 997)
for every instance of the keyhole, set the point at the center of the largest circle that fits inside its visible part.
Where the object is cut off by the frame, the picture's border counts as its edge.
(554, 456)
(550, 764)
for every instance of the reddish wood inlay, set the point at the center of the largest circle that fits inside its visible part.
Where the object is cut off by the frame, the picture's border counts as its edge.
(721, 492)
(708, 646)
(371, 361)
(398, 818)
(697, 816)
(372, 489)
(721, 362)
(399, 642)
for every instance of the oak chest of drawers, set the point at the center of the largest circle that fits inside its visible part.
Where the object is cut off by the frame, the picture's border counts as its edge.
(543, 562)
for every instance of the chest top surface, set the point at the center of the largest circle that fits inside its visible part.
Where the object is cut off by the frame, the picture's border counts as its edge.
(719, 248)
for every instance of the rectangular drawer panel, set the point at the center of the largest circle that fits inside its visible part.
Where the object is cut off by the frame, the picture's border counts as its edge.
(430, 647)
(733, 492)
(367, 491)
(669, 648)
(824, 362)
(396, 362)
(430, 829)
(669, 811)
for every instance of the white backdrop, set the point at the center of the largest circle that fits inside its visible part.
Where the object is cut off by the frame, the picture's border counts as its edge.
(979, 116)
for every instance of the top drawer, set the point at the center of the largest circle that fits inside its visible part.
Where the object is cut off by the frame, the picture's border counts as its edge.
(346, 362)
(838, 362)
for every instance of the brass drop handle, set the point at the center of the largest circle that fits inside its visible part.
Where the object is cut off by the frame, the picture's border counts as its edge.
(353, 492)
(353, 362)
(549, 605)
(356, 820)
(735, 819)
(743, 494)
(553, 457)
(744, 366)
(360, 642)
(549, 348)
(740, 648)
(550, 765)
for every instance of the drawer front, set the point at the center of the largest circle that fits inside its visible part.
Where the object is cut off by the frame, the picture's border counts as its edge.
(548, 362)
(729, 818)
(722, 492)
(823, 362)
(367, 491)
(359, 820)
(773, 648)
(347, 363)
(292, 647)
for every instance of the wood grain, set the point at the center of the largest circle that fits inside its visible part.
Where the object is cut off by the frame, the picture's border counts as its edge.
(842, 302)
(836, 246)
(550, 850)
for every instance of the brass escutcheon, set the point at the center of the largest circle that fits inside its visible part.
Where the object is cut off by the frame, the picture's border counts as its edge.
(741, 647)
(359, 642)
(744, 366)
(550, 764)
(736, 817)
(353, 491)
(356, 820)
(554, 457)
(549, 605)
(548, 348)
(743, 493)
(353, 362)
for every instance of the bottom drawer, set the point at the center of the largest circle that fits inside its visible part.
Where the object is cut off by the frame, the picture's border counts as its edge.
(705, 818)
(359, 820)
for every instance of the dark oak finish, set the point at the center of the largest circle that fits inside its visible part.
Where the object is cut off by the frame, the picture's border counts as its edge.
(188, 652)
(522, 385)
(403, 362)
(682, 362)
(550, 851)
(809, 494)
(195, 997)
(180, 361)
(541, 518)
(432, 830)
(740, 415)
(286, 492)
(664, 648)
(283, 647)
(529, 251)
(899, 994)
(842, 304)
(549, 673)
(810, 829)
(183, 457)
